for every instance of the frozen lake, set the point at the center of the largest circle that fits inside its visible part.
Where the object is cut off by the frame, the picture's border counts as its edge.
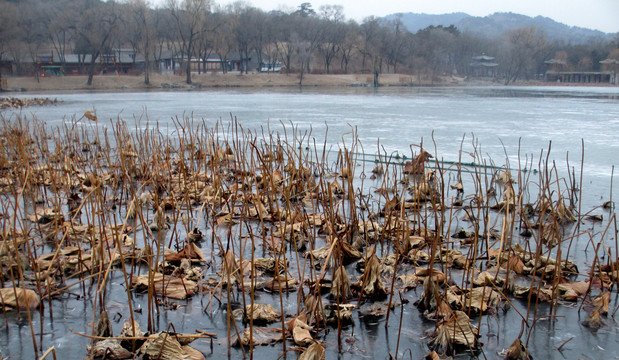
(505, 124)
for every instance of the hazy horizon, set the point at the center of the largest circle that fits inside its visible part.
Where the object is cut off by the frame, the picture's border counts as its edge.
(594, 14)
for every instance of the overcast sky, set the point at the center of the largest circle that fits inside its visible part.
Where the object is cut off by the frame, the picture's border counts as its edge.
(594, 14)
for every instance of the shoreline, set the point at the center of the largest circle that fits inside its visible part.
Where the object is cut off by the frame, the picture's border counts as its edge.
(213, 81)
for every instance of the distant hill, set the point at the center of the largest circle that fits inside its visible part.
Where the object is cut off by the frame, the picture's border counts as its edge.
(496, 24)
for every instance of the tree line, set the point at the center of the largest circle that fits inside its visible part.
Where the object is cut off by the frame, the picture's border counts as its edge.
(304, 40)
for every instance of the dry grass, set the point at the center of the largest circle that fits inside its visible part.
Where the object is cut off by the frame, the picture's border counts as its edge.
(124, 82)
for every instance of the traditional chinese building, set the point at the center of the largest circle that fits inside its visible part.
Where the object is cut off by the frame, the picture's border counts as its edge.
(483, 66)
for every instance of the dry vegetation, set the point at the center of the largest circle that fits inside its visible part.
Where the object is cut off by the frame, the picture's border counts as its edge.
(158, 81)
(278, 214)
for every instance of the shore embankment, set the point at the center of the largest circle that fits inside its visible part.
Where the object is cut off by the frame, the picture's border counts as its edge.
(168, 81)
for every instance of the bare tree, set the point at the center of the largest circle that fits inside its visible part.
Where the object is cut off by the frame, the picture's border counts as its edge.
(522, 48)
(189, 16)
(333, 33)
(60, 19)
(94, 31)
(141, 33)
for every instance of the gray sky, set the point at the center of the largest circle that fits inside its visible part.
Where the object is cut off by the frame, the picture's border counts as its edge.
(593, 14)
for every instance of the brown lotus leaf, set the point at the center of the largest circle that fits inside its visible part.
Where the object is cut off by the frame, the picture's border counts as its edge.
(375, 310)
(131, 329)
(46, 215)
(504, 177)
(564, 214)
(349, 253)
(341, 313)
(261, 313)
(168, 286)
(340, 285)
(542, 294)
(230, 268)
(416, 242)
(165, 346)
(336, 188)
(455, 332)
(191, 251)
(316, 219)
(480, 298)
(284, 282)
(509, 195)
(602, 302)
(430, 296)
(378, 170)
(462, 234)
(594, 320)
(418, 256)
(443, 310)
(25, 299)
(194, 235)
(432, 356)
(391, 205)
(300, 330)
(514, 263)
(270, 264)
(226, 220)
(312, 307)
(437, 275)
(104, 326)
(90, 116)
(108, 349)
(488, 277)
(453, 257)
(372, 284)
(189, 272)
(409, 281)
(573, 291)
(320, 253)
(453, 298)
(314, 352)
(517, 351)
(369, 228)
(259, 336)
(595, 217)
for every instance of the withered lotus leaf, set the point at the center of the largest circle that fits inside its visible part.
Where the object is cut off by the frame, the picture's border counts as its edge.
(314, 352)
(259, 336)
(432, 356)
(104, 326)
(437, 275)
(409, 281)
(480, 298)
(517, 351)
(270, 264)
(168, 286)
(341, 313)
(108, 349)
(340, 286)
(372, 284)
(191, 251)
(18, 298)
(455, 332)
(300, 330)
(573, 291)
(165, 346)
(284, 282)
(602, 302)
(594, 320)
(261, 313)
(131, 329)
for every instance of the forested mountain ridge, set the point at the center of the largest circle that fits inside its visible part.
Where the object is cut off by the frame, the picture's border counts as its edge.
(498, 23)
